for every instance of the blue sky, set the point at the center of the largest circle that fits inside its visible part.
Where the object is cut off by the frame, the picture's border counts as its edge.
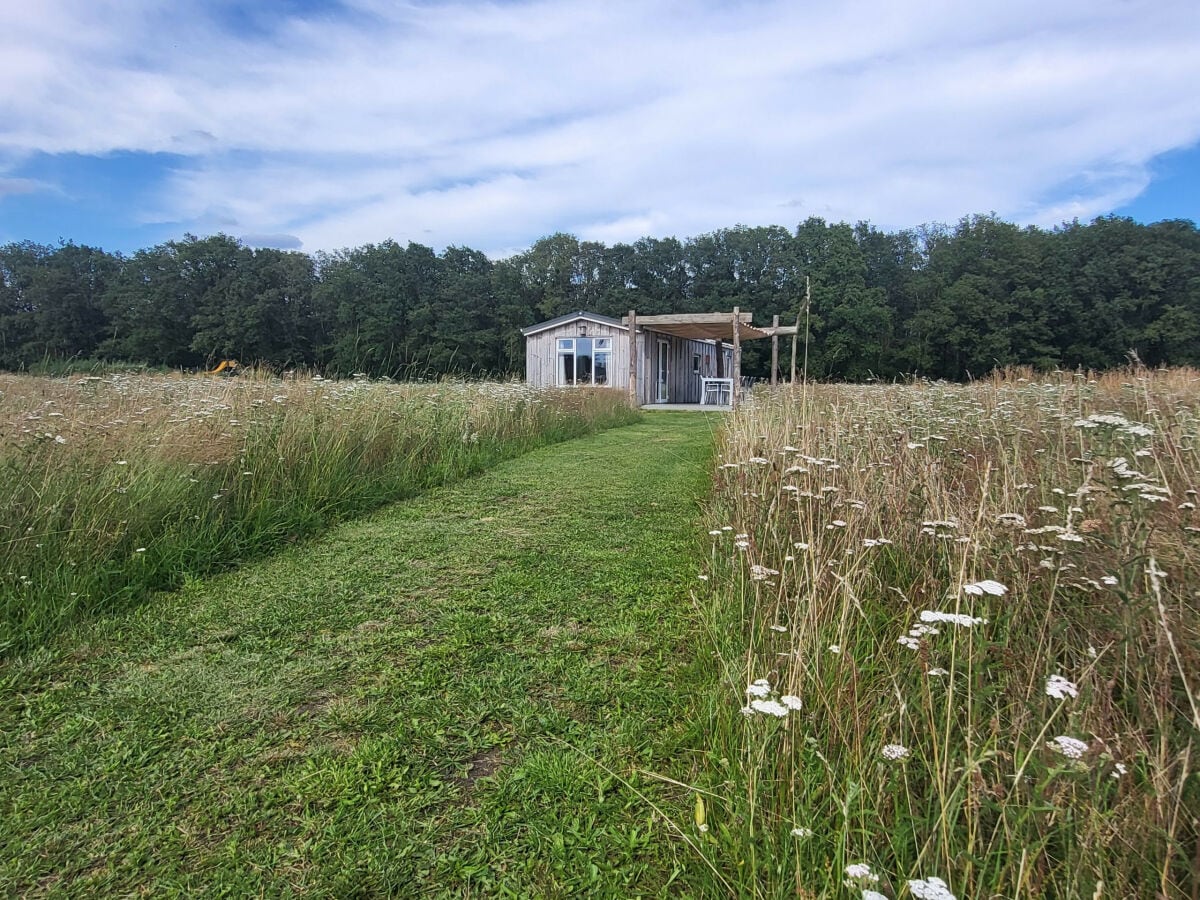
(316, 124)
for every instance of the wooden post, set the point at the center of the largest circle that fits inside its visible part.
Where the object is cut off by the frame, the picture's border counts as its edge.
(774, 350)
(633, 394)
(720, 358)
(794, 336)
(737, 358)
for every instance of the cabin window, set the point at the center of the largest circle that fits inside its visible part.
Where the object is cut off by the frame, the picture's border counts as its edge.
(584, 360)
(695, 363)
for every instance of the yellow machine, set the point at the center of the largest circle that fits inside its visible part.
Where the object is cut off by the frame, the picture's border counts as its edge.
(227, 367)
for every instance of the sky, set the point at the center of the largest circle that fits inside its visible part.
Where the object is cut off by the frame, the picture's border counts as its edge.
(320, 125)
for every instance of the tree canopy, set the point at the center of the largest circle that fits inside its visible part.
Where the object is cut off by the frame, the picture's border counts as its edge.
(944, 302)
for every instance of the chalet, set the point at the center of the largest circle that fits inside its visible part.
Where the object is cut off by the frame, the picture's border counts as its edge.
(687, 358)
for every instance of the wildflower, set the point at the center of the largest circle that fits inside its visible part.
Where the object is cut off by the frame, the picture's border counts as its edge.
(861, 872)
(960, 619)
(761, 573)
(1014, 519)
(702, 577)
(835, 648)
(838, 523)
(59, 439)
(802, 832)
(1048, 509)
(782, 629)
(122, 462)
(1118, 770)
(1059, 688)
(759, 461)
(931, 888)
(911, 643)
(987, 586)
(935, 673)
(799, 545)
(716, 532)
(894, 751)
(769, 707)
(869, 894)
(791, 701)
(759, 688)
(1071, 748)
(741, 545)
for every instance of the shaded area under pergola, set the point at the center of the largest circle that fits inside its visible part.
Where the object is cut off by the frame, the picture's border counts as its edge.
(731, 327)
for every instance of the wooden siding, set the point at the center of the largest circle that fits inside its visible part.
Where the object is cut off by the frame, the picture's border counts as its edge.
(683, 386)
(541, 353)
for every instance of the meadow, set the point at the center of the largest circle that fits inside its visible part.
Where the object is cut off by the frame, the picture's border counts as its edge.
(117, 486)
(958, 633)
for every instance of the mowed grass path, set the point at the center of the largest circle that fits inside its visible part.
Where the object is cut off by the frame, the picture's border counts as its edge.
(425, 702)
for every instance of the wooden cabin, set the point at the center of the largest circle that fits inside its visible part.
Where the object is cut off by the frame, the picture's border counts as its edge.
(673, 359)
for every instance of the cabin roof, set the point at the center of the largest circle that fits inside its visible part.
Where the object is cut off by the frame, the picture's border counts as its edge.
(571, 317)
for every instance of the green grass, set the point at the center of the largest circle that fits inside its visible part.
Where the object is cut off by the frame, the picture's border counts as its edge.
(453, 696)
(113, 488)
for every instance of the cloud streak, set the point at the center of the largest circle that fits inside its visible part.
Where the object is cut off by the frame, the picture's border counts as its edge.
(490, 124)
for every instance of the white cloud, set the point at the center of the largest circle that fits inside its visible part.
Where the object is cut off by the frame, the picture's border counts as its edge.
(489, 124)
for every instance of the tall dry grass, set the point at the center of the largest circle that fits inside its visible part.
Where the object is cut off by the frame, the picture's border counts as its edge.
(111, 487)
(958, 635)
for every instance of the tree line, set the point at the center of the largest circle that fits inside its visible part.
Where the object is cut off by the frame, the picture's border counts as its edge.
(944, 302)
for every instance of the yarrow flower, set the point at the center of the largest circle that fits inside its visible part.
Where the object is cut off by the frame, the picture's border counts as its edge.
(987, 586)
(869, 894)
(894, 751)
(1059, 688)
(960, 619)
(861, 872)
(931, 888)
(791, 701)
(802, 832)
(769, 707)
(759, 688)
(1071, 748)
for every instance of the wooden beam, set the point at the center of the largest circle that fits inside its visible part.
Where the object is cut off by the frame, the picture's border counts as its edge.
(774, 348)
(771, 330)
(795, 332)
(720, 358)
(631, 321)
(737, 359)
(745, 318)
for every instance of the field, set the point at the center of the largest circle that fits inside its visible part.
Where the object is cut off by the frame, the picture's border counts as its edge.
(959, 636)
(921, 640)
(113, 487)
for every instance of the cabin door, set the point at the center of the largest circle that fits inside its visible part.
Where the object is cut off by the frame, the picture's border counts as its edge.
(661, 394)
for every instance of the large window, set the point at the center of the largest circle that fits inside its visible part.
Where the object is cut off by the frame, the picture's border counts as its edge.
(584, 360)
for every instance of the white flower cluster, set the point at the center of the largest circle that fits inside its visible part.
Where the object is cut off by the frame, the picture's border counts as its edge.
(759, 693)
(1059, 688)
(960, 619)
(1071, 748)
(987, 586)
(1116, 422)
(931, 888)
(861, 872)
(894, 751)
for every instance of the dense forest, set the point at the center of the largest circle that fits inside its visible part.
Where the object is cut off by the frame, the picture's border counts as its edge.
(936, 301)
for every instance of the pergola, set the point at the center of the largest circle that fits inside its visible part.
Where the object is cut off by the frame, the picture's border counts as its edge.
(734, 327)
